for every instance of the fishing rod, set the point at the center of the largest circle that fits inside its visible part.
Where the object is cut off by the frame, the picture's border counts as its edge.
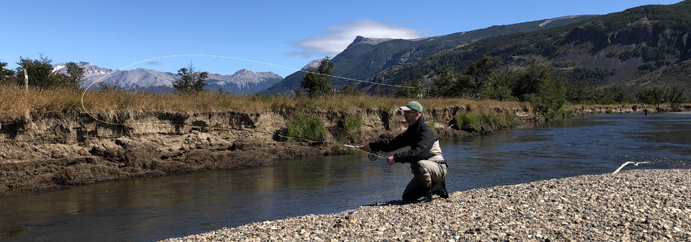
(370, 155)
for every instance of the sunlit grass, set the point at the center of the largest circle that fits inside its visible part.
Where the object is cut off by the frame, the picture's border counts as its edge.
(15, 101)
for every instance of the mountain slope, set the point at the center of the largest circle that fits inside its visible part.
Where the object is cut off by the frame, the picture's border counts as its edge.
(603, 50)
(366, 57)
(675, 75)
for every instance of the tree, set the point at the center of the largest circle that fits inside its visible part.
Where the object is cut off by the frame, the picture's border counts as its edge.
(411, 89)
(6, 75)
(624, 96)
(189, 81)
(545, 92)
(350, 89)
(317, 84)
(446, 83)
(581, 92)
(75, 73)
(655, 95)
(40, 73)
(478, 74)
(676, 96)
(497, 86)
(477, 81)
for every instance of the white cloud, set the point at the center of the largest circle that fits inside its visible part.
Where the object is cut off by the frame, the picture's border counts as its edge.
(338, 37)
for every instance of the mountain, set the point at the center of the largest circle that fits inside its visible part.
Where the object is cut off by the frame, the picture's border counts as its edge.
(621, 47)
(242, 82)
(675, 75)
(89, 69)
(366, 57)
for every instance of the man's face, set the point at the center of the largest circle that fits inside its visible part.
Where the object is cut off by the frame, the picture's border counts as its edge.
(411, 116)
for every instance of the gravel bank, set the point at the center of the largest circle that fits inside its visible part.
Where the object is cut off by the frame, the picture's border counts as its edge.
(633, 205)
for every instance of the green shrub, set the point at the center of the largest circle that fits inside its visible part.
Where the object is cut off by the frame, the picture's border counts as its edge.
(485, 121)
(352, 123)
(488, 121)
(510, 118)
(566, 113)
(431, 125)
(349, 127)
(468, 121)
(306, 128)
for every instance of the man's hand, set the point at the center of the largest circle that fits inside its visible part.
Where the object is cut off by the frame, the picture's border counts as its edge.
(389, 159)
(366, 148)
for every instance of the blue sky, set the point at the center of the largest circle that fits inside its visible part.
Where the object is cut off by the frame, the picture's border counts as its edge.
(276, 36)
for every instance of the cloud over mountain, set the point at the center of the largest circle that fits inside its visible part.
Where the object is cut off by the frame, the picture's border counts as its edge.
(338, 37)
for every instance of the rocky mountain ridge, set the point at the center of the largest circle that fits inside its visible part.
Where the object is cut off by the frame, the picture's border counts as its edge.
(241, 82)
(365, 57)
(611, 50)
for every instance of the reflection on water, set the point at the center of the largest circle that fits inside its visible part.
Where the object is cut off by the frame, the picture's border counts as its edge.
(157, 208)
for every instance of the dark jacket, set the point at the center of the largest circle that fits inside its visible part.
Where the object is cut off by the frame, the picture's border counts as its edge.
(418, 136)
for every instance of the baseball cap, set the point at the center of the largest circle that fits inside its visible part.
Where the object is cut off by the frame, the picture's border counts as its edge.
(412, 105)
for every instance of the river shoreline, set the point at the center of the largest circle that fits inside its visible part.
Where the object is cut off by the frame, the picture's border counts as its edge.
(632, 205)
(49, 150)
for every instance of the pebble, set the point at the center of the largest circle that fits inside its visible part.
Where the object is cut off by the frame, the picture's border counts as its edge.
(632, 205)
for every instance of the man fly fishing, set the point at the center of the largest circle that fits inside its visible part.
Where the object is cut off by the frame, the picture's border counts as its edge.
(424, 156)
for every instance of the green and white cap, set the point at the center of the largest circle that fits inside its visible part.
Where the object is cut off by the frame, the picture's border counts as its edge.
(412, 105)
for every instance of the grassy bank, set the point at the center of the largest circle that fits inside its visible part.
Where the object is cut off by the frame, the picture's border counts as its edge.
(15, 101)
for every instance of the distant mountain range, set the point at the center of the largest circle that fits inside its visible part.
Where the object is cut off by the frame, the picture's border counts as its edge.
(366, 57)
(242, 82)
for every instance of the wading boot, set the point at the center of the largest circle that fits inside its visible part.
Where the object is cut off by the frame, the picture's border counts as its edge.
(428, 196)
(439, 188)
(442, 190)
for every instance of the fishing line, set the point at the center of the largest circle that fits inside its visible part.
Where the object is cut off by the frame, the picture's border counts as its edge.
(214, 56)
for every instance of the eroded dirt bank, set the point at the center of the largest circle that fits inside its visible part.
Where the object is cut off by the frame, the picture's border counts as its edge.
(53, 150)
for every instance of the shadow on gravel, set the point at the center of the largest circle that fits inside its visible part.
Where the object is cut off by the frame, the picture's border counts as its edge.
(396, 202)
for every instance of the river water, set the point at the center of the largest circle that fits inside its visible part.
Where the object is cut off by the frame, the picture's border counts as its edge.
(173, 206)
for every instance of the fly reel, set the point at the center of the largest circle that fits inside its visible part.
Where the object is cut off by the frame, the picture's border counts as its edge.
(372, 156)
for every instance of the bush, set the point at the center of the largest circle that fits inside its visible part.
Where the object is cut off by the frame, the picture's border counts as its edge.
(306, 128)
(468, 122)
(352, 124)
(566, 113)
(510, 118)
(484, 121)
(349, 127)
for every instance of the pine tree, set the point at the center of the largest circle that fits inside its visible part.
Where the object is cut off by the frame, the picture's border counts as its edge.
(75, 72)
(6, 75)
(317, 84)
(189, 81)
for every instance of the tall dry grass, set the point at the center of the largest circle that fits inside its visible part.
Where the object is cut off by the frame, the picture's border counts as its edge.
(15, 101)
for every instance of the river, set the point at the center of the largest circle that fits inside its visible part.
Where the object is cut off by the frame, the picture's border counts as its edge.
(148, 209)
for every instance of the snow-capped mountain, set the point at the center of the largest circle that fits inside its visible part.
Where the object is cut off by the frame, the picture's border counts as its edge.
(139, 79)
(242, 82)
(89, 69)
